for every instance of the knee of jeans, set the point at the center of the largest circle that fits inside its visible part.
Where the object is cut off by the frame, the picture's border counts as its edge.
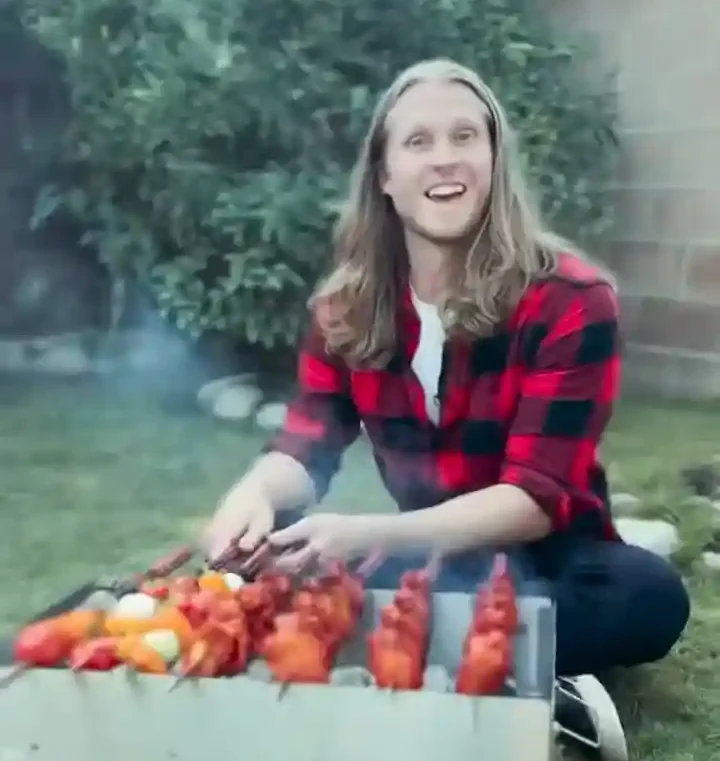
(666, 593)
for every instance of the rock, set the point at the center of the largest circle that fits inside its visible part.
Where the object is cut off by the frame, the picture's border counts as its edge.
(271, 417)
(54, 355)
(208, 393)
(233, 397)
(624, 502)
(235, 402)
(656, 536)
(712, 560)
(702, 502)
(693, 501)
(62, 360)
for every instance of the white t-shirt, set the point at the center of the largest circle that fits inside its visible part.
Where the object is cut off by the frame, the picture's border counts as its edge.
(427, 361)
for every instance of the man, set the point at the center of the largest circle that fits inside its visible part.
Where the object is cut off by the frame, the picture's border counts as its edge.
(480, 352)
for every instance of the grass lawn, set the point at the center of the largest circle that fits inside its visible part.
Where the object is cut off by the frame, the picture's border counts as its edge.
(94, 481)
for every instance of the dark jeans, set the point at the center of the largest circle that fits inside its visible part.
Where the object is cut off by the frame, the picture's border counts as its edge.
(617, 605)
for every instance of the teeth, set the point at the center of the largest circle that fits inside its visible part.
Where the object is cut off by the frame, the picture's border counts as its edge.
(447, 190)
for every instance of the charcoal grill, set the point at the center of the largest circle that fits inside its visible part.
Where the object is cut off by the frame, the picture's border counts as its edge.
(56, 715)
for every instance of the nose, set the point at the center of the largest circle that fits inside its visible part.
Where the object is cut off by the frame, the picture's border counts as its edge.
(444, 158)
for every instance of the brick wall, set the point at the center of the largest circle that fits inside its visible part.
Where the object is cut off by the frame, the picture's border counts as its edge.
(665, 246)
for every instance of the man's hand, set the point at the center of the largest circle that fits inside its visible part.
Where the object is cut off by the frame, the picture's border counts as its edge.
(276, 482)
(244, 512)
(323, 537)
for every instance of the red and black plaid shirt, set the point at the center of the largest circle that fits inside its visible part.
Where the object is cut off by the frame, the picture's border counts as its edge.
(526, 406)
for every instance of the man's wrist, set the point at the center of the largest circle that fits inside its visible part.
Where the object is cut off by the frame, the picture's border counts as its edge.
(281, 481)
(382, 532)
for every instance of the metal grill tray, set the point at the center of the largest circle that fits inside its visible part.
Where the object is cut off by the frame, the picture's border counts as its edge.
(55, 715)
(534, 645)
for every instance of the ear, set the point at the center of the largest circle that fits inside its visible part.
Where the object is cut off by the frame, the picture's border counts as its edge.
(384, 180)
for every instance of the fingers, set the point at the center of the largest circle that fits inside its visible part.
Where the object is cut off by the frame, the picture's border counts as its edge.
(257, 531)
(291, 547)
(213, 543)
(297, 533)
(297, 560)
(228, 534)
(257, 559)
(371, 563)
(225, 557)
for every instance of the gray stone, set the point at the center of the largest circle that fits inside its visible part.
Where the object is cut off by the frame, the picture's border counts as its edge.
(52, 355)
(68, 359)
(233, 397)
(712, 560)
(696, 501)
(657, 536)
(209, 392)
(235, 402)
(702, 503)
(624, 502)
(271, 417)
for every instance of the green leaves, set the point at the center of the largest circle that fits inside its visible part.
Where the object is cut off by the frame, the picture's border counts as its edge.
(211, 139)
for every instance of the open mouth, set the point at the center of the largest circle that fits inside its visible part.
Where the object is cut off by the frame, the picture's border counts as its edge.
(447, 191)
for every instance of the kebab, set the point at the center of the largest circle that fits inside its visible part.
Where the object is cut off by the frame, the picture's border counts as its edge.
(211, 616)
(104, 632)
(148, 636)
(487, 650)
(397, 648)
(231, 626)
(48, 643)
(324, 614)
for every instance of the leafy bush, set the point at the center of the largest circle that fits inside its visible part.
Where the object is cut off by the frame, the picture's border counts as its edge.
(211, 138)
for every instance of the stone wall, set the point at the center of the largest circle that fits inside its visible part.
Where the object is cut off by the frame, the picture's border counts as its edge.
(665, 247)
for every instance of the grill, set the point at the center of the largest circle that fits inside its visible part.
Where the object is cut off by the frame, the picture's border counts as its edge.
(56, 715)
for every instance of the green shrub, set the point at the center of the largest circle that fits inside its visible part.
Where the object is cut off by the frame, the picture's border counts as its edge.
(212, 138)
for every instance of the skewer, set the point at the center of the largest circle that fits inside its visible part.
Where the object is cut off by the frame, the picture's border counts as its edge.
(434, 566)
(171, 562)
(178, 679)
(371, 563)
(164, 566)
(202, 650)
(230, 553)
(14, 674)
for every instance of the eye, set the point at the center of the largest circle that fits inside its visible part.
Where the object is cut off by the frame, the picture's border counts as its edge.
(465, 135)
(418, 140)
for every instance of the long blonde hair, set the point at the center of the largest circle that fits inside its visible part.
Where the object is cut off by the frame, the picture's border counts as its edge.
(356, 305)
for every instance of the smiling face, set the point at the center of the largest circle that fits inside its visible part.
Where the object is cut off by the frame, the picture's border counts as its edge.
(438, 160)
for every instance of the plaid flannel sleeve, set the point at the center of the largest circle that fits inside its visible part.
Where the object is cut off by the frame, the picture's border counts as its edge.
(321, 421)
(568, 389)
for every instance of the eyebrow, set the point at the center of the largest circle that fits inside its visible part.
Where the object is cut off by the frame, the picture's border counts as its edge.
(463, 123)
